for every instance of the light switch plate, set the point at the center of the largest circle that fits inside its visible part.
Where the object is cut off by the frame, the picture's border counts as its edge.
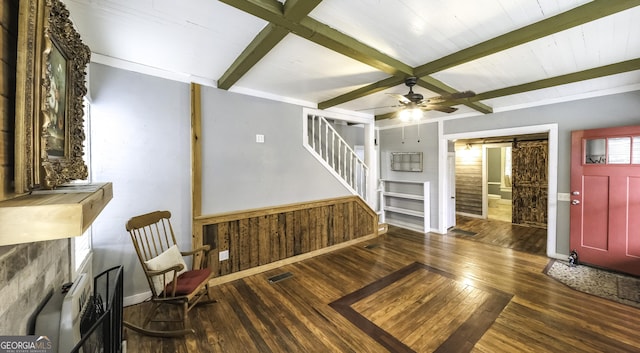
(564, 196)
(223, 255)
(259, 138)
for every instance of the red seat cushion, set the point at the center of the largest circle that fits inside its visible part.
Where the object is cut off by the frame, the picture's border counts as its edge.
(189, 281)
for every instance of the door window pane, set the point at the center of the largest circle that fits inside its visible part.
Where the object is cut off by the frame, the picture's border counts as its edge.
(619, 150)
(595, 151)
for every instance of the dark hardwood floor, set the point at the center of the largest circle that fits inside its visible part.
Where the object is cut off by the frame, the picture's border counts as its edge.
(405, 292)
(525, 238)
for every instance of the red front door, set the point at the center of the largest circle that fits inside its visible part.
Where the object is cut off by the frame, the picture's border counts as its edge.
(605, 197)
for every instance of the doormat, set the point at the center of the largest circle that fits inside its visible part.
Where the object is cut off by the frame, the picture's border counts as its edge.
(624, 289)
(463, 232)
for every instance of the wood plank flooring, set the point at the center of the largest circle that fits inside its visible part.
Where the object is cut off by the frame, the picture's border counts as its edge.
(410, 292)
(505, 234)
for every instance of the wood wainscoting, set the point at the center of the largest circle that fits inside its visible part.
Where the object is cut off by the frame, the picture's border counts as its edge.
(260, 239)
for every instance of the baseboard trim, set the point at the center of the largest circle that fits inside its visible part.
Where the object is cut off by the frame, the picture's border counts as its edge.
(558, 256)
(136, 298)
(253, 271)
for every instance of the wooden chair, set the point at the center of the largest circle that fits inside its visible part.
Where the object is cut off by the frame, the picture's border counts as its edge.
(166, 272)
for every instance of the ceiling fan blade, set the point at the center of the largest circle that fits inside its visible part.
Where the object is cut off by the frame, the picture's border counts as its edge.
(455, 95)
(383, 107)
(440, 108)
(400, 97)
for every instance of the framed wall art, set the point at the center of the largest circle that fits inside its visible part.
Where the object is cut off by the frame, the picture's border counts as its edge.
(50, 87)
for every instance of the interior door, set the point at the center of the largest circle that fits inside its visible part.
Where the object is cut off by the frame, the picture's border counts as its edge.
(530, 182)
(605, 197)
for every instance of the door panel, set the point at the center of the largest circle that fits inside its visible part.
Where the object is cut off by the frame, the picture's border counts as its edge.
(605, 197)
(633, 238)
(595, 197)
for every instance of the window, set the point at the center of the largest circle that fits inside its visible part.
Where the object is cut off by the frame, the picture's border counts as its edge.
(613, 150)
(81, 246)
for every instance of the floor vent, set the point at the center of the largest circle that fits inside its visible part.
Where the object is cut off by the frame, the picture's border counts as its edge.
(463, 232)
(372, 246)
(280, 277)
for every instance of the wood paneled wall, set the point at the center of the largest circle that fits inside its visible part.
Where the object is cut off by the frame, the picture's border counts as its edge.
(259, 237)
(469, 179)
(530, 182)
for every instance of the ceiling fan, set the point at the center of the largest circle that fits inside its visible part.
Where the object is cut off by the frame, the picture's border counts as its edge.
(414, 103)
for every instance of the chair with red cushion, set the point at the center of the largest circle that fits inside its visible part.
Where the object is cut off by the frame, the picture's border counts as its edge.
(169, 279)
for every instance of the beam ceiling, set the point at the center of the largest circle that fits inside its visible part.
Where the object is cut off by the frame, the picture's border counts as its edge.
(292, 17)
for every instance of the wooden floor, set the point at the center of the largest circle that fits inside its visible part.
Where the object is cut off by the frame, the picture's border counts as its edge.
(405, 292)
(505, 234)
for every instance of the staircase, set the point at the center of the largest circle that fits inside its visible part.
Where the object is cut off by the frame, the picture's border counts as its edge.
(336, 155)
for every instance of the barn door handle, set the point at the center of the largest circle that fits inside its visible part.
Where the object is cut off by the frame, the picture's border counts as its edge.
(575, 202)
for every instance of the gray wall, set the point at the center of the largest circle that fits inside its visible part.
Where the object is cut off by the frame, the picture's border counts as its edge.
(140, 139)
(240, 174)
(426, 141)
(606, 111)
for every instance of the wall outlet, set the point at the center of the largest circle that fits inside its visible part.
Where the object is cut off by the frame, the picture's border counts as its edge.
(259, 138)
(223, 255)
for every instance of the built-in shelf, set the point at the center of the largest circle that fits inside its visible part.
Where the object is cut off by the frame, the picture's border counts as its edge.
(406, 204)
(64, 212)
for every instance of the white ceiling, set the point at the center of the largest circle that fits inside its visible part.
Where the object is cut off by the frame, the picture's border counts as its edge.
(198, 40)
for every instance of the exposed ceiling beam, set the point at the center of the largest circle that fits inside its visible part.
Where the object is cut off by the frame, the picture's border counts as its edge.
(267, 39)
(362, 91)
(601, 71)
(434, 85)
(612, 69)
(575, 17)
(580, 15)
(323, 35)
(426, 82)
(262, 44)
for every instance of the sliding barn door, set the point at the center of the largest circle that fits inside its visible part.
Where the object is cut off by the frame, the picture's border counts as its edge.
(530, 182)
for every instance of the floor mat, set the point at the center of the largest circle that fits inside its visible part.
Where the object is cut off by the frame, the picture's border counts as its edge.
(618, 287)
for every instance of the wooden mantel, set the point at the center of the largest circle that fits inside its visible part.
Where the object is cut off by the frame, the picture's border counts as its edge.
(64, 212)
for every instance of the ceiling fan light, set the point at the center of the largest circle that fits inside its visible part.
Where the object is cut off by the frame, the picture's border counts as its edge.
(416, 114)
(413, 114)
(404, 115)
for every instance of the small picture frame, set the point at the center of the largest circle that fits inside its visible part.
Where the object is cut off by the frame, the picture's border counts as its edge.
(50, 88)
(406, 161)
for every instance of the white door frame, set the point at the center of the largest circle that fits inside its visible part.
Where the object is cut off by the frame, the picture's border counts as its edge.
(552, 201)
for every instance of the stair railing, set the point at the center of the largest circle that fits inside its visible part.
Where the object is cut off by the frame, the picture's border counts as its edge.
(335, 153)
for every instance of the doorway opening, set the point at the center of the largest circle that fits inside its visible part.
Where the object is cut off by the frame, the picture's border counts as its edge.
(495, 136)
(497, 178)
